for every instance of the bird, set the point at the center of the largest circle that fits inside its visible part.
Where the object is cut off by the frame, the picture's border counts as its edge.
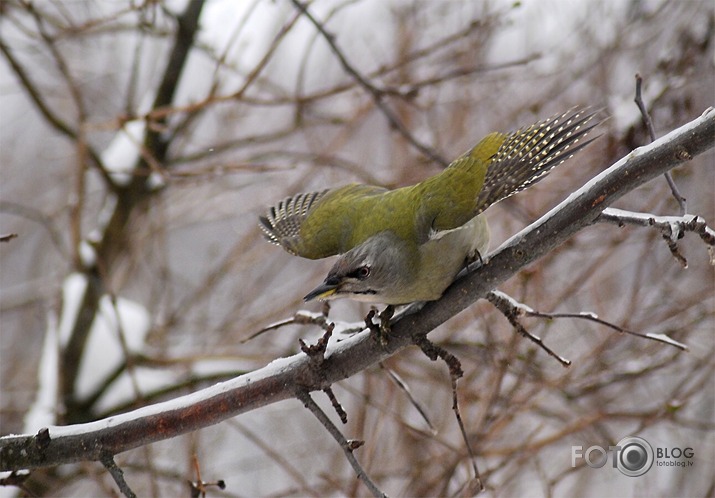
(408, 244)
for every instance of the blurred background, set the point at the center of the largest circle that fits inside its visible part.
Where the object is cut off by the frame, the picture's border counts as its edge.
(140, 141)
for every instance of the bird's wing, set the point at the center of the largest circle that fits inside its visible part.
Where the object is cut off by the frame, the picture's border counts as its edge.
(449, 200)
(527, 155)
(316, 225)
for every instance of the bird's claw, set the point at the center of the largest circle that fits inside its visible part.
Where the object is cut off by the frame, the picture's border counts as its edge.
(381, 330)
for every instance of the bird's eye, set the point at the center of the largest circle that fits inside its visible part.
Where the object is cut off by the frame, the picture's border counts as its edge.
(361, 273)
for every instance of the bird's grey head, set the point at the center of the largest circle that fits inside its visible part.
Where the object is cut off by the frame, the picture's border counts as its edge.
(376, 271)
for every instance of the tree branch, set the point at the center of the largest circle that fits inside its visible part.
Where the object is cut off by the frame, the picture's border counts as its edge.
(648, 121)
(118, 476)
(348, 447)
(284, 377)
(673, 228)
(131, 198)
(54, 120)
(376, 93)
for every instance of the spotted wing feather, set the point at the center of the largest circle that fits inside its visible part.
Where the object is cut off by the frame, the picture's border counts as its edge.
(282, 222)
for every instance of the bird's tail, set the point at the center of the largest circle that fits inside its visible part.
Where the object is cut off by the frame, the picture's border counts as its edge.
(528, 154)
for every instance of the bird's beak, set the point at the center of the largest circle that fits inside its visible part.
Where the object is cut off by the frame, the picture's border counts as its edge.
(324, 291)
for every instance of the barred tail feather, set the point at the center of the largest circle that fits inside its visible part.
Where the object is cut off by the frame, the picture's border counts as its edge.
(529, 154)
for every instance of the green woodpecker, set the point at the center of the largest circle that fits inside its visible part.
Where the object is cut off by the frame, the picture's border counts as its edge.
(408, 244)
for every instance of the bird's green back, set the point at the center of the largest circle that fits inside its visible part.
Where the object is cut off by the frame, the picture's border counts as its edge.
(347, 216)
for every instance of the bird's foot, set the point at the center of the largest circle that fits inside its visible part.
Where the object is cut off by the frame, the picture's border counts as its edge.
(381, 330)
(473, 258)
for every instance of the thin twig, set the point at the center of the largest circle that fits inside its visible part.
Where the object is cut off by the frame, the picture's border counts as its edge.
(406, 389)
(17, 479)
(511, 310)
(432, 351)
(376, 93)
(347, 446)
(118, 475)
(52, 118)
(301, 318)
(188, 118)
(520, 309)
(37, 216)
(673, 228)
(60, 61)
(156, 141)
(675, 225)
(475, 484)
(200, 487)
(662, 338)
(316, 352)
(651, 131)
(336, 405)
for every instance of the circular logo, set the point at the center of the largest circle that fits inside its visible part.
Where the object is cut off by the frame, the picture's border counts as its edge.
(635, 457)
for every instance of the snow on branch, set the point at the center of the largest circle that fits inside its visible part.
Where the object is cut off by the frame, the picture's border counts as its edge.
(673, 228)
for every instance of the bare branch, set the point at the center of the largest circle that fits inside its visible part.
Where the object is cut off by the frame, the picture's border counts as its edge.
(376, 93)
(33, 214)
(432, 351)
(406, 389)
(511, 310)
(118, 476)
(188, 23)
(52, 118)
(199, 487)
(303, 317)
(673, 228)
(347, 446)
(511, 306)
(647, 120)
(651, 131)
